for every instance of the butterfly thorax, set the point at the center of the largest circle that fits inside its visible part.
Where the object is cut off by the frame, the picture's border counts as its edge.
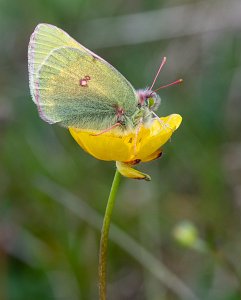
(148, 101)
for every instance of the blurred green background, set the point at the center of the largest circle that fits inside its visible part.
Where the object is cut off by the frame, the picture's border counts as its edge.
(176, 237)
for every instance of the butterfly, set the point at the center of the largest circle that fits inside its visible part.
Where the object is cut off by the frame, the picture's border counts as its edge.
(74, 87)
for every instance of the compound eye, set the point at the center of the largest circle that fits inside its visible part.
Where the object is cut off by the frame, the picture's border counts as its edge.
(151, 102)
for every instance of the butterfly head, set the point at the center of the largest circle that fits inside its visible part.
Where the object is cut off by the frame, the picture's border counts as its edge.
(148, 99)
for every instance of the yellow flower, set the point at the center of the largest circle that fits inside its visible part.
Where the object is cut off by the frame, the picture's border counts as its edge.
(127, 149)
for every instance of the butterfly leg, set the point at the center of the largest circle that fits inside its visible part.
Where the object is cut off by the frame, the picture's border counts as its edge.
(107, 129)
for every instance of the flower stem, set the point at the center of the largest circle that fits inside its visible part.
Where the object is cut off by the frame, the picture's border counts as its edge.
(105, 235)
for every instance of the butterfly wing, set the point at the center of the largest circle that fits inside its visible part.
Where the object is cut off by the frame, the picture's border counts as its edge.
(57, 64)
(63, 99)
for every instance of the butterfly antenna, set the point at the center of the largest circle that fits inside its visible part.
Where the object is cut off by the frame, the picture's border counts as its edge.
(167, 85)
(108, 129)
(158, 72)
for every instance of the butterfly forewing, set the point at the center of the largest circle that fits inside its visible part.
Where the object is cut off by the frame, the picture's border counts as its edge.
(79, 90)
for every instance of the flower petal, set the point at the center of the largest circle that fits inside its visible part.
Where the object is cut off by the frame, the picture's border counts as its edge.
(126, 170)
(158, 134)
(108, 146)
(153, 156)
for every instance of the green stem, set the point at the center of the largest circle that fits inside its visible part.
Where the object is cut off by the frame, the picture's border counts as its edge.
(105, 235)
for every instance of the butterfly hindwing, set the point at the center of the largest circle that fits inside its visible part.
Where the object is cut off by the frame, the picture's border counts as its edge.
(77, 89)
